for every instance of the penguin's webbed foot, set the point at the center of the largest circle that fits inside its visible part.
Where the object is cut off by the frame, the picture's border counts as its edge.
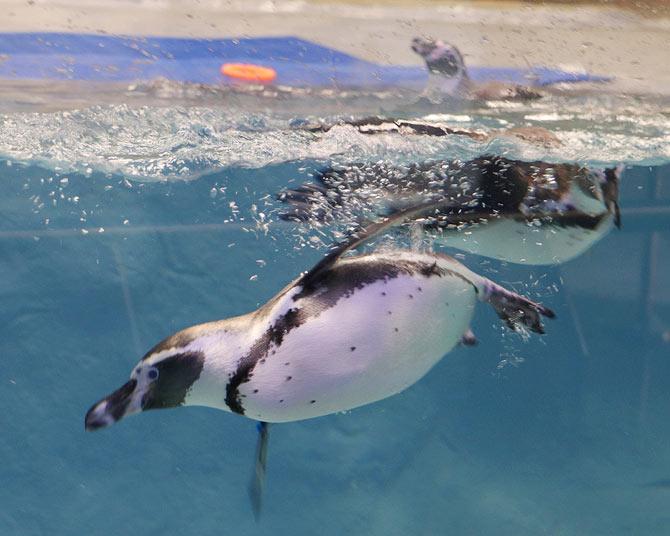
(257, 484)
(468, 338)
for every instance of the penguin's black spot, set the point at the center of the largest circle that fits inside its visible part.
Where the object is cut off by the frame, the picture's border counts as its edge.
(353, 348)
(419, 289)
(383, 293)
(255, 390)
(389, 312)
(312, 401)
(262, 361)
(287, 363)
(395, 329)
(411, 296)
(289, 378)
(281, 401)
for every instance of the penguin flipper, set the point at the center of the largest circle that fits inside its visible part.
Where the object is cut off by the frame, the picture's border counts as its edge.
(257, 484)
(516, 311)
(369, 230)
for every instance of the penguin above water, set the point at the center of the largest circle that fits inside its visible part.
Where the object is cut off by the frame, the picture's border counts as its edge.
(533, 213)
(376, 124)
(448, 76)
(351, 331)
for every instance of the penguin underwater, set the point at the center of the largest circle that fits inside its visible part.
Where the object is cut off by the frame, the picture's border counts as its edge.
(534, 213)
(351, 331)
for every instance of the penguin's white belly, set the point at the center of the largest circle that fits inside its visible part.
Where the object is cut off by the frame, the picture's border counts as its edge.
(372, 344)
(519, 242)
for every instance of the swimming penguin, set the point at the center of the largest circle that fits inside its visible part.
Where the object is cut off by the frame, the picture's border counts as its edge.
(351, 331)
(448, 76)
(376, 124)
(533, 213)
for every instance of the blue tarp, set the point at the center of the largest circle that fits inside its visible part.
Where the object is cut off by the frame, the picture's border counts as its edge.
(299, 63)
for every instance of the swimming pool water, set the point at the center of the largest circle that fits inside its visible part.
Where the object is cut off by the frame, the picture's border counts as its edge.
(100, 258)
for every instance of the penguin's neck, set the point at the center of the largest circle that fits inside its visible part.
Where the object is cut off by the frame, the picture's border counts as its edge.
(224, 345)
(228, 345)
(447, 86)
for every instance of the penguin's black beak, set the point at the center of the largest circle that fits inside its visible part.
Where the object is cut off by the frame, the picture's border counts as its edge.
(112, 408)
(422, 46)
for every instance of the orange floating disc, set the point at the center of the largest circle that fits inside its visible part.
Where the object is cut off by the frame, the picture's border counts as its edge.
(249, 72)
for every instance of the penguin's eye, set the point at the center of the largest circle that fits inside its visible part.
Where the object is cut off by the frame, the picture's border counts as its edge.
(152, 374)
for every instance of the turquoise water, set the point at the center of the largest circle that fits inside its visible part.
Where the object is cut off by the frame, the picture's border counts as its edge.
(121, 225)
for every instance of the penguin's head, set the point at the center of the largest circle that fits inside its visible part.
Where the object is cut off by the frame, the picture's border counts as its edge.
(441, 58)
(162, 379)
(610, 191)
(602, 187)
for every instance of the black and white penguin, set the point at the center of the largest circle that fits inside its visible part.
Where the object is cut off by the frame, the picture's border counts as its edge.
(533, 213)
(448, 76)
(351, 331)
(376, 124)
